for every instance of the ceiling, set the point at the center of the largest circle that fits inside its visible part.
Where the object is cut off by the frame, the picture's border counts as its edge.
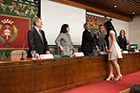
(124, 9)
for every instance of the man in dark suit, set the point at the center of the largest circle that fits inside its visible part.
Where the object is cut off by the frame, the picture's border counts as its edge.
(100, 38)
(36, 39)
(88, 41)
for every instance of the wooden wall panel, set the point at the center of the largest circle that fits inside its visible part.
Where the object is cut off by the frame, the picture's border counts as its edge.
(16, 79)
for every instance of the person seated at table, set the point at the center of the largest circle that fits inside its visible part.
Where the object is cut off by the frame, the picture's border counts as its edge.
(64, 41)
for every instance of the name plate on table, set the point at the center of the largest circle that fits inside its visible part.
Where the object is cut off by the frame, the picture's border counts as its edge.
(103, 53)
(136, 51)
(125, 52)
(78, 54)
(46, 56)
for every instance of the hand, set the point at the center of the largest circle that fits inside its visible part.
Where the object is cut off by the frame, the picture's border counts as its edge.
(99, 37)
(47, 52)
(37, 56)
(61, 48)
(106, 49)
(98, 49)
(109, 51)
(74, 50)
(102, 37)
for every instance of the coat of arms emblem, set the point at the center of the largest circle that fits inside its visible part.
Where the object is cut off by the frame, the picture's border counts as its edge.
(8, 32)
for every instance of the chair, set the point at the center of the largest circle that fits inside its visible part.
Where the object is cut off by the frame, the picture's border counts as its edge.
(17, 54)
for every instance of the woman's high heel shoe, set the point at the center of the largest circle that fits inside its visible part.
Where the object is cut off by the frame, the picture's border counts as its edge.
(111, 78)
(117, 79)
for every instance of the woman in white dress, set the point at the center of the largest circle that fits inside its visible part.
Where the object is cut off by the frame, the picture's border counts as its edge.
(114, 51)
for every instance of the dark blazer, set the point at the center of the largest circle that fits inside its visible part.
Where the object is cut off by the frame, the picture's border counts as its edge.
(35, 43)
(122, 42)
(101, 43)
(87, 42)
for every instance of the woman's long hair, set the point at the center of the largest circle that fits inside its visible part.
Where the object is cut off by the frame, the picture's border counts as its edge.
(109, 27)
(64, 28)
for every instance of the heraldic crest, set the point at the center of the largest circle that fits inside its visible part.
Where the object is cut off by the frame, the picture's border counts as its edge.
(8, 32)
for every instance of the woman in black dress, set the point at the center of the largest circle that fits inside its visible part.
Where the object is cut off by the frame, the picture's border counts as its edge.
(122, 40)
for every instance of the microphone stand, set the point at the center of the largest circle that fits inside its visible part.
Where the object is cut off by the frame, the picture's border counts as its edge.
(22, 51)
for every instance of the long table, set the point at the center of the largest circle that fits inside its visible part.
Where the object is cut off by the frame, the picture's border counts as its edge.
(58, 74)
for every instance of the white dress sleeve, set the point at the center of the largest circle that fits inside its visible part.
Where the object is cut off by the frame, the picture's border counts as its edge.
(112, 32)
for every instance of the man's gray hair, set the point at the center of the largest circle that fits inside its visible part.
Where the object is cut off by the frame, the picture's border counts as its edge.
(36, 20)
(85, 25)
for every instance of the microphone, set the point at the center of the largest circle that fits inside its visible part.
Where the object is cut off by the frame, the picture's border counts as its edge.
(22, 51)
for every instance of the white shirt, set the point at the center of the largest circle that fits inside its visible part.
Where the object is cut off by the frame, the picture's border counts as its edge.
(37, 30)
